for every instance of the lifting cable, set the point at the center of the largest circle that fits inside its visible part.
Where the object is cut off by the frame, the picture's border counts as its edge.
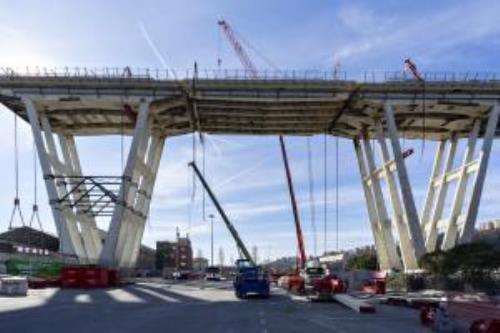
(312, 203)
(325, 191)
(203, 167)
(34, 214)
(122, 130)
(17, 202)
(337, 193)
(193, 181)
(423, 118)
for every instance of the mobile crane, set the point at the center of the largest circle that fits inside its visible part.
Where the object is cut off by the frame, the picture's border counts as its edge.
(250, 278)
(308, 275)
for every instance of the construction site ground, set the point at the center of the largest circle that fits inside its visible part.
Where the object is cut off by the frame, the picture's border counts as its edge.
(189, 306)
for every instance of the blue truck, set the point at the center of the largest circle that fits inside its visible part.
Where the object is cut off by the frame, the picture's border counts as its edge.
(250, 280)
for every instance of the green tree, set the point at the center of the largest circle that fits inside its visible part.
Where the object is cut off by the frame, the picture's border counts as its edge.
(363, 260)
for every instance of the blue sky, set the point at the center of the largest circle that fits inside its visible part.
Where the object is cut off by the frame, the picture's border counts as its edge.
(450, 35)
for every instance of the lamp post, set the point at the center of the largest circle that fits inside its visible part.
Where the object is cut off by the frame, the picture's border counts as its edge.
(211, 216)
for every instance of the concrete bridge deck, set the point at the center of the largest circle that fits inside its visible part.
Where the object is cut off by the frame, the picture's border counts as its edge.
(95, 105)
(153, 109)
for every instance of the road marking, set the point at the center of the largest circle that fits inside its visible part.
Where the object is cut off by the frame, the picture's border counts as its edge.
(123, 296)
(158, 295)
(83, 298)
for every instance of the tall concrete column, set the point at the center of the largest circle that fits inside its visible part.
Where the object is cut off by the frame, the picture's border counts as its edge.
(451, 235)
(380, 246)
(406, 193)
(407, 250)
(467, 231)
(120, 220)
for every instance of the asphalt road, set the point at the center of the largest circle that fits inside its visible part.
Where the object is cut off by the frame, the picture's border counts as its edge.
(188, 307)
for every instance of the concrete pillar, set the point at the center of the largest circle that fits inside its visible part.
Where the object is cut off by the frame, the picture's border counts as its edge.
(407, 250)
(406, 193)
(470, 218)
(70, 241)
(119, 221)
(431, 189)
(430, 229)
(380, 209)
(372, 215)
(450, 237)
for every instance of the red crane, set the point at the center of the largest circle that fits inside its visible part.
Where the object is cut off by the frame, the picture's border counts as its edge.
(238, 48)
(412, 68)
(250, 67)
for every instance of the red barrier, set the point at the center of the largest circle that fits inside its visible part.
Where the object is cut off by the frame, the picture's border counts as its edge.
(88, 277)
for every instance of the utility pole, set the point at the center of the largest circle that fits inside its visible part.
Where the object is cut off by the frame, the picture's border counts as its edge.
(211, 216)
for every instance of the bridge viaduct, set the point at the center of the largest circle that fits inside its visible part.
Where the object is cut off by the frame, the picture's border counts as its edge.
(151, 109)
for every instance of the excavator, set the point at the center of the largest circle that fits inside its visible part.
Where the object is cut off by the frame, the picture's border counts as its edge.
(250, 279)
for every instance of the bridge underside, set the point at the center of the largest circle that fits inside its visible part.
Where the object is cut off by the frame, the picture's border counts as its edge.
(153, 110)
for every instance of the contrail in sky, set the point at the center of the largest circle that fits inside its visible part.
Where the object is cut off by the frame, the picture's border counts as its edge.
(152, 45)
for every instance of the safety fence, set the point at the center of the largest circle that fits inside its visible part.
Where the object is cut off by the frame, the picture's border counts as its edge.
(128, 73)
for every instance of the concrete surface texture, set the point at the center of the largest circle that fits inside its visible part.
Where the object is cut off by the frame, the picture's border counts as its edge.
(188, 307)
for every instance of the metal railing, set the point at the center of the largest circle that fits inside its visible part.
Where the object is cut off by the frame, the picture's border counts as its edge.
(128, 73)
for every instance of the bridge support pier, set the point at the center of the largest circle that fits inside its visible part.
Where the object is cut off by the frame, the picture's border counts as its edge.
(71, 194)
(416, 238)
(404, 213)
(124, 237)
(78, 233)
(459, 226)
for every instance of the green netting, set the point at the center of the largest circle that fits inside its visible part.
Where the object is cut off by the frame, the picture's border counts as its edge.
(45, 269)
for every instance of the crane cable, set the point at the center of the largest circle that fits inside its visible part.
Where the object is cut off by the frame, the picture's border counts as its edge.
(312, 203)
(337, 193)
(17, 202)
(35, 214)
(325, 191)
(203, 168)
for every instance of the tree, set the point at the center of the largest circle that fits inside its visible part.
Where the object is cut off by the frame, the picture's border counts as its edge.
(474, 262)
(365, 259)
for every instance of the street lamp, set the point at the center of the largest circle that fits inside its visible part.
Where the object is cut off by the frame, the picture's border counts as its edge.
(211, 216)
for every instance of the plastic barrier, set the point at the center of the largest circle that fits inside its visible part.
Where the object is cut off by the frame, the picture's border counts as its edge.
(88, 277)
(14, 286)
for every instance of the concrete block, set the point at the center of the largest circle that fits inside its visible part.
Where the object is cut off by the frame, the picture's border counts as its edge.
(14, 286)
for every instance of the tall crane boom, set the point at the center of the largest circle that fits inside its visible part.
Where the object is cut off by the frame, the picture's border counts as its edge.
(239, 243)
(238, 48)
(298, 228)
(250, 67)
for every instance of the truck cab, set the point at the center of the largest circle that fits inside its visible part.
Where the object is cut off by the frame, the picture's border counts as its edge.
(212, 273)
(250, 279)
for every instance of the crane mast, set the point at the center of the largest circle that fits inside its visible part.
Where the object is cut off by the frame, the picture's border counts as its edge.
(241, 246)
(250, 67)
(238, 48)
(298, 228)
